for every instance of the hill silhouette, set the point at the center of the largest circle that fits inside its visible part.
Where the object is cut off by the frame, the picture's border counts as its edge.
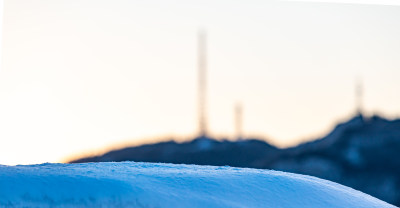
(361, 153)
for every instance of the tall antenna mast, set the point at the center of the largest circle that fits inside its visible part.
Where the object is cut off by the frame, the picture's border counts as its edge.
(359, 94)
(202, 83)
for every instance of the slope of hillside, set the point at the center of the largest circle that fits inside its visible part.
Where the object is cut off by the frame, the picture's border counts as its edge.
(130, 184)
(201, 151)
(361, 153)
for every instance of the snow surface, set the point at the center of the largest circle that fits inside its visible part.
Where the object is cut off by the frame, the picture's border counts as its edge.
(130, 184)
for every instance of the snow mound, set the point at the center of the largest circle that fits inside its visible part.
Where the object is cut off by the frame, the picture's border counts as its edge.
(130, 184)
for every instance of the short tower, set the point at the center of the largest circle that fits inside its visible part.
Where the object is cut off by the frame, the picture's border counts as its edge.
(238, 121)
(358, 96)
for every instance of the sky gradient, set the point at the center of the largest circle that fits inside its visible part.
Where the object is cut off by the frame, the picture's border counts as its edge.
(80, 75)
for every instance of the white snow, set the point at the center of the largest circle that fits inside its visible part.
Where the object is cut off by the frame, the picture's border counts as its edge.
(130, 184)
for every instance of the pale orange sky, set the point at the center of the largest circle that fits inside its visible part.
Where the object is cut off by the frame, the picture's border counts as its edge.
(80, 75)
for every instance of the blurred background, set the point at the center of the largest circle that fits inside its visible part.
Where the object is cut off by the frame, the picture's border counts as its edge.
(302, 86)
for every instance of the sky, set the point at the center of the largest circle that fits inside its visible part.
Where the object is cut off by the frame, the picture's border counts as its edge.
(80, 77)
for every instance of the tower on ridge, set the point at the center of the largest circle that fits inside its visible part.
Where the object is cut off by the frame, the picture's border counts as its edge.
(238, 121)
(359, 94)
(202, 65)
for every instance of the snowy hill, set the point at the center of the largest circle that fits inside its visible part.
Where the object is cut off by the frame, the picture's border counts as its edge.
(129, 184)
(360, 153)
